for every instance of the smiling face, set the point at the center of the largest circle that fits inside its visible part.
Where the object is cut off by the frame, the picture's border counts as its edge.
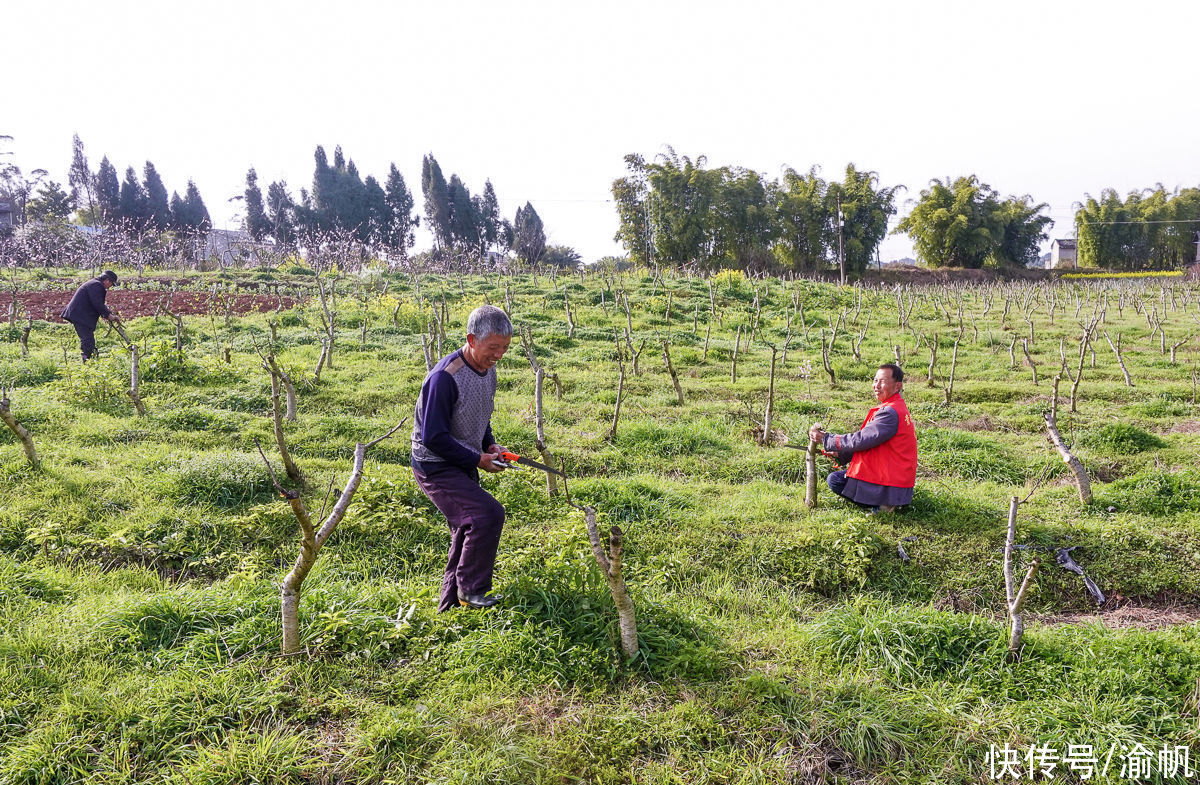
(483, 353)
(884, 385)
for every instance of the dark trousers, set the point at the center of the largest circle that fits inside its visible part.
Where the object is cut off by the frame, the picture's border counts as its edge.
(87, 340)
(475, 520)
(837, 484)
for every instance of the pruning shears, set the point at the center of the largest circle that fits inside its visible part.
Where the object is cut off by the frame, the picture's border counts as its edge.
(510, 458)
(831, 456)
(119, 326)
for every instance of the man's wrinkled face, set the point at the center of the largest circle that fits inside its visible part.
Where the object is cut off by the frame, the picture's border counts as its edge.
(486, 352)
(884, 385)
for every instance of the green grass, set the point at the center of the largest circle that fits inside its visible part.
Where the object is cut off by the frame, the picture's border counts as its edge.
(140, 566)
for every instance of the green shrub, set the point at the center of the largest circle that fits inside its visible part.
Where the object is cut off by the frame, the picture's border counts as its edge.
(671, 440)
(28, 372)
(1116, 438)
(831, 559)
(1154, 492)
(954, 452)
(99, 382)
(910, 643)
(223, 479)
(164, 363)
(200, 419)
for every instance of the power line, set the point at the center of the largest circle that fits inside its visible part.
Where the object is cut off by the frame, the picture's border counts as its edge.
(1177, 221)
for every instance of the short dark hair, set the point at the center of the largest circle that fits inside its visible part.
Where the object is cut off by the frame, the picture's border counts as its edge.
(897, 373)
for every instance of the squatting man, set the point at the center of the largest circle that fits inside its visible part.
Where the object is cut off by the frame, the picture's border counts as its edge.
(882, 454)
(451, 441)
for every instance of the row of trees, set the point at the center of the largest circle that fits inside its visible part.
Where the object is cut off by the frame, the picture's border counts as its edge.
(342, 209)
(965, 223)
(673, 210)
(381, 217)
(1153, 228)
(131, 204)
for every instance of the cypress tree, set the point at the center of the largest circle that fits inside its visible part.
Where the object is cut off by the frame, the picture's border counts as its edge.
(198, 218)
(83, 184)
(159, 210)
(179, 214)
(464, 218)
(323, 190)
(437, 201)
(257, 223)
(280, 212)
(489, 211)
(108, 193)
(379, 219)
(529, 238)
(401, 235)
(134, 212)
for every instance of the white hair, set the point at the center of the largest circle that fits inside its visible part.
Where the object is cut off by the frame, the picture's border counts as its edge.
(488, 320)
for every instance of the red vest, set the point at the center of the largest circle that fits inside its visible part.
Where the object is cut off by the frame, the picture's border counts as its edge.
(894, 462)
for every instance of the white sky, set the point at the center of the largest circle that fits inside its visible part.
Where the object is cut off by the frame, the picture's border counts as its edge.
(1055, 98)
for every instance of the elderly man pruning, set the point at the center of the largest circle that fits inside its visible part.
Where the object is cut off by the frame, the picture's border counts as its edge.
(451, 441)
(86, 308)
(882, 454)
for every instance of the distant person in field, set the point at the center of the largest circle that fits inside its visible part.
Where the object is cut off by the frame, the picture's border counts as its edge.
(451, 441)
(882, 455)
(86, 308)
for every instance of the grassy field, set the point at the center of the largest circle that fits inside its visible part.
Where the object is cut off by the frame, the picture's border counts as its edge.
(140, 565)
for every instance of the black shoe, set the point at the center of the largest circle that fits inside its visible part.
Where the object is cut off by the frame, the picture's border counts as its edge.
(478, 600)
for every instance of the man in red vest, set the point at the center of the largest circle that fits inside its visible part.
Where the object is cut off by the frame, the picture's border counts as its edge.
(882, 454)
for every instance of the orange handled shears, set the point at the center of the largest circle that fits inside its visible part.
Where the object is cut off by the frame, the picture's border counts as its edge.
(510, 458)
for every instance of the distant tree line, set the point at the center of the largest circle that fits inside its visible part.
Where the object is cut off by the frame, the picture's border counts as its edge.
(965, 223)
(1152, 228)
(381, 219)
(675, 211)
(132, 205)
(671, 210)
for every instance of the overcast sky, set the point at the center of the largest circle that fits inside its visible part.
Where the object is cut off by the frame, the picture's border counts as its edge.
(1051, 99)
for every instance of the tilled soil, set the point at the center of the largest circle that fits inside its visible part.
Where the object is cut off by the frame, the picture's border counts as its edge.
(46, 306)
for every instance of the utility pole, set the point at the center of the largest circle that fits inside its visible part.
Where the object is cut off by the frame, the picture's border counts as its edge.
(841, 256)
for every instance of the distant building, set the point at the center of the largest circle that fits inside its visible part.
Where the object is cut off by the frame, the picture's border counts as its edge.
(1062, 254)
(232, 247)
(6, 215)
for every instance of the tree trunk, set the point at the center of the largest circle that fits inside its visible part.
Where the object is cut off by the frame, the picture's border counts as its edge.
(610, 565)
(810, 474)
(1081, 478)
(19, 430)
(1016, 599)
(135, 378)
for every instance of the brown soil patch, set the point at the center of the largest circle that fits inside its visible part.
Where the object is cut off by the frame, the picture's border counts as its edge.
(46, 306)
(1187, 426)
(1128, 617)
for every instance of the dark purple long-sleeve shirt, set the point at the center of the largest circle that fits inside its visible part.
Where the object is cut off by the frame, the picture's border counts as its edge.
(448, 428)
(87, 305)
(881, 428)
